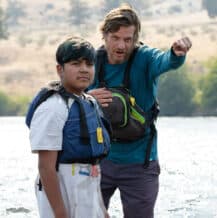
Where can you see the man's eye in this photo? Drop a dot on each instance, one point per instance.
(128, 40)
(115, 38)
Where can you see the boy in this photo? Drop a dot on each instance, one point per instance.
(68, 133)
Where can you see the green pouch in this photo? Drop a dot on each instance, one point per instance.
(126, 117)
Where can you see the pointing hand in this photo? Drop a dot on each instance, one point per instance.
(181, 46)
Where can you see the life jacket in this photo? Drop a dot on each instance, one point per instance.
(86, 136)
(129, 122)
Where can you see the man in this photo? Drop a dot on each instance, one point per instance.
(124, 167)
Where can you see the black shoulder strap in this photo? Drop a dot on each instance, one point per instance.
(101, 56)
(52, 88)
(46, 92)
(126, 81)
(100, 60)
(149, 145)
(83, 122)
(153, 132)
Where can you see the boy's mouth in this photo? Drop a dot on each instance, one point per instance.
(84, 78)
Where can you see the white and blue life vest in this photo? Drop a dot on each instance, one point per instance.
(86, 133)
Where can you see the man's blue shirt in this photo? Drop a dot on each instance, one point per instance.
(147, 66)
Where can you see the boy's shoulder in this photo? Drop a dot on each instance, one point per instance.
(53, 101)
(48, 99)
(53, 105)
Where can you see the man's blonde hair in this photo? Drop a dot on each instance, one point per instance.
(121, 16)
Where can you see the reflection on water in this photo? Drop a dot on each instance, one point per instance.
(187, 150)
(188, 180)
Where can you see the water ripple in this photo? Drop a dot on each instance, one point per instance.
(17, 210)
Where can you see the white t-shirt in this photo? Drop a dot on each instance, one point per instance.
(47, 124)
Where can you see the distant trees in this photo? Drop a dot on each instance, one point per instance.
(139, 5)
(3, 31)
(209, 90)
(10, 17)
(15, 10)
(108, 5)
(176, 93)
(174, 9)
(211, 7)
(79, 12)
(4, 104)
(12, 106)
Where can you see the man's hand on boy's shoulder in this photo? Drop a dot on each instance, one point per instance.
(103, 96)
(181, 46)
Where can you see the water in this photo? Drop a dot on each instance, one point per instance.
(188, 180)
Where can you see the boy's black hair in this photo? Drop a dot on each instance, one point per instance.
(75, 48)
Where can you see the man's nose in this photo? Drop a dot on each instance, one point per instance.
(121, 44)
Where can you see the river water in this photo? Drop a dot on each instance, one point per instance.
(188, 180)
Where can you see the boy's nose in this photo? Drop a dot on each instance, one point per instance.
(83, 67)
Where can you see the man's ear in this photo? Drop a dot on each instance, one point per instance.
(60, 70)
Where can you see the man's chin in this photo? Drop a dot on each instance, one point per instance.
(119, 60)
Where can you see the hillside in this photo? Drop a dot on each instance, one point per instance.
(27, 57)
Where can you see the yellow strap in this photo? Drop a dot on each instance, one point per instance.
(99, 135)
(73, 169)
(132, 101)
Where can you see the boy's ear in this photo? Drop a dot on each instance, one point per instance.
(59, 70)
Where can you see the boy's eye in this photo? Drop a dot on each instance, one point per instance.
(89, 63)
(75, 62)
(78, 62)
